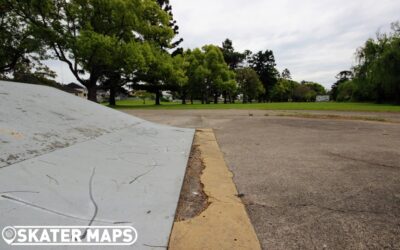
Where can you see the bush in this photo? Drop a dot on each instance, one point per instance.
(304, 93)
(346, 91)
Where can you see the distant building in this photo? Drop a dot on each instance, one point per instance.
(102, 95)
(76, 89)
(167, 95)
(322, 98)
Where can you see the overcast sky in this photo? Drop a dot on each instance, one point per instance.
(314, 39)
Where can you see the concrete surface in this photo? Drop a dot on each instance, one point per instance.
(309, 183)
(67, 161)
(224, 224)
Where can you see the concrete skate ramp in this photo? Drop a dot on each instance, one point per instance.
(62, 156)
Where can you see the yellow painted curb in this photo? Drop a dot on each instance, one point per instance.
(224, 224)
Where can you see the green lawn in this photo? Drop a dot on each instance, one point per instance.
(137, 104)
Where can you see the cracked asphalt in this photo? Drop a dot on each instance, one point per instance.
(309, 183)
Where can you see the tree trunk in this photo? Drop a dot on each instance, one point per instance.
(183, 98)
(111, 99)
(191, 99)
(225, 97)
(92, 87)
(215, 98)
(158, 96)
(92, 93)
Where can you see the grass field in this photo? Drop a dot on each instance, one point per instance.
(371, 107)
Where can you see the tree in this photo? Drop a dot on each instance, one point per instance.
(158, 82)
(166, 6)
(208, 74)
(158, 75)
(283, 90)
(219, 77)
(196, 73)
(86, 35)
(35, 73)
(286, 74)
(316, 87)
(179, 77)
(264, 64)
(303, 93)
(346, 91)
(249, 84)
(377, 75)
(232, 58)
(129, 59)
(16, 40)
(342, 76)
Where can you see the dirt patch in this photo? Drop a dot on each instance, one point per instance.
(192, 200)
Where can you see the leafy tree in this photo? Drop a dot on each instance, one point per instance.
(35, 73)
(90, 35)
(179, 77)
(264, 64)
(303, 93)
(16, 40)
(286, 74)
(346, 91)
(283, 90)
(232, 57)
(158, 75)
(377, 75)
(208, 74)
(166, 6)
(341, 77)
(316, 87)
(196, 73)
(249, 84)
(219, 77)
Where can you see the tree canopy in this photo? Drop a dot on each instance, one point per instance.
(376, 77)
(263, 62)
(249, 83)
(119, 44)
(16, 39)
(208, 74)
(92, 36)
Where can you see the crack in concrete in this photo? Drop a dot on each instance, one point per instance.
(96, 208)
(122, 222)
(52, 179)
(19, 191)
(363, 161)
(143, 174)
(50, 210)
(147, 245)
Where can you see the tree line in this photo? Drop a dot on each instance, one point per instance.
(376, 76)
(118, 44)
